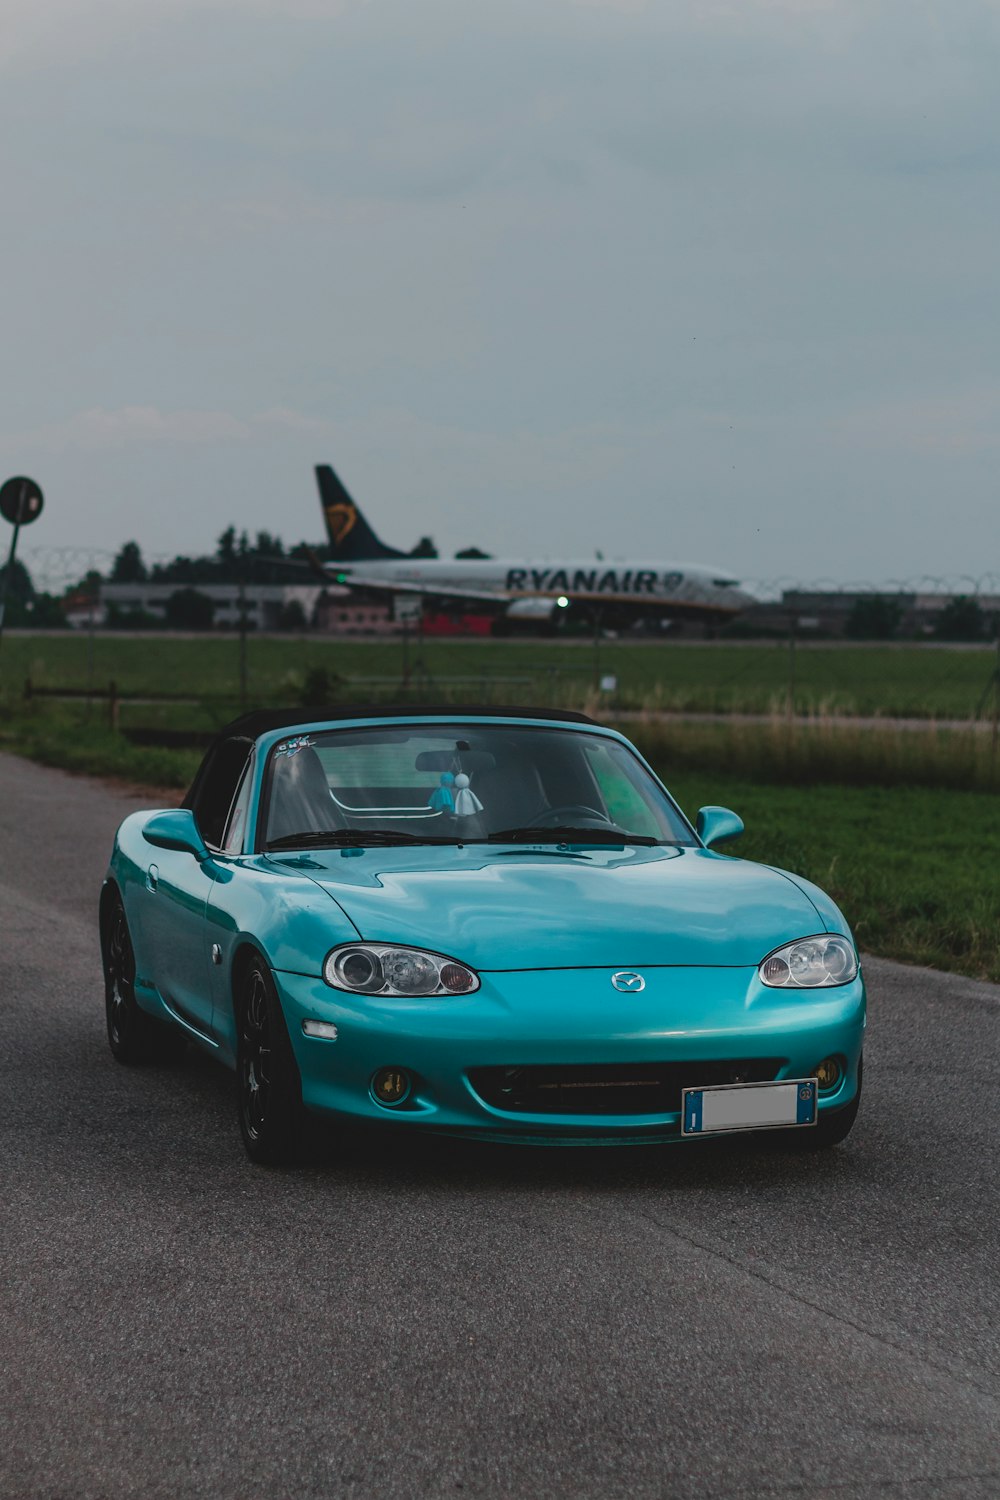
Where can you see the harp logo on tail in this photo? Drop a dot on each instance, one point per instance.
(341, 520)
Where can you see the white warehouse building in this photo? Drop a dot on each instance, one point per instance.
(263, 603)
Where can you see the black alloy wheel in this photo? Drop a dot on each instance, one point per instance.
(133, 1036)
(268, 1087)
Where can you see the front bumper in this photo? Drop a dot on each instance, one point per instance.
(556, 1019)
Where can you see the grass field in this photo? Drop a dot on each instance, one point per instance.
(913, 869)
(822, 751)
(902, 827)
(917, 681)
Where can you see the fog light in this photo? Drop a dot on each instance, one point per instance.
(828, 1074)
(391, 1085)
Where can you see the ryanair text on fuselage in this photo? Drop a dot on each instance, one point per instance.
(591, 582)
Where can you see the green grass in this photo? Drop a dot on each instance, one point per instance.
(914, 870)
(900, 827)
(825, 750)
(917, 681)
(69, 737)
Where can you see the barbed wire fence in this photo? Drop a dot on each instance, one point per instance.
(951, 585)
(53, 569)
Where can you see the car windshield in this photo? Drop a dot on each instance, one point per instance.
(463, 783)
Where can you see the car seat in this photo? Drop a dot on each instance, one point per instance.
(512, 793)
(300, 796)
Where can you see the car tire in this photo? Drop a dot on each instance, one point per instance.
(268, 1085)
(832, 1127)
(133, 1036)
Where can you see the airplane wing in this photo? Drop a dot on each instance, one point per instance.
(495, 597)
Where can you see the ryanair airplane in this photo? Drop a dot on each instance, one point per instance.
(612, 592)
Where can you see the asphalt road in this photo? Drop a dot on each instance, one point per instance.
(444, 1319)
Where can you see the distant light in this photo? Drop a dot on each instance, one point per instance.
(562, 601)
(341, 577)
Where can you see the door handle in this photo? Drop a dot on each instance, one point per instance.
(152, 876)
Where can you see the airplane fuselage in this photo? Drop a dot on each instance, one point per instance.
(641, 586)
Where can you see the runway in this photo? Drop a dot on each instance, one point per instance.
(441, 1319)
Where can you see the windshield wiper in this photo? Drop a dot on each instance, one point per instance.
(353, 838)
(568, 835)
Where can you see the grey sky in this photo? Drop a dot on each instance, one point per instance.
(706, 281)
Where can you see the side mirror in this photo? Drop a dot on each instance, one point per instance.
(717, 824)
(176, 829)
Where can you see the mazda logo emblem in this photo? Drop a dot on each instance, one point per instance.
(630, 983)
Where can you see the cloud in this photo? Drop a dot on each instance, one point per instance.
(947, 424)
(65, 30)
(147, 426)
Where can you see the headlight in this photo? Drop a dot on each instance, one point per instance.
(810, 964)
(381, 969)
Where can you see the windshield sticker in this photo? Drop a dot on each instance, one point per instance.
(292, 747)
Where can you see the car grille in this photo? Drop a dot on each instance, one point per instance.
(611, 1088)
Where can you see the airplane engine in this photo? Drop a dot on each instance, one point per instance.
(532, 607)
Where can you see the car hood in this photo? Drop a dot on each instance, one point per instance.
(540, 908)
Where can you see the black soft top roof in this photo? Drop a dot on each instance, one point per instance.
(264, 720)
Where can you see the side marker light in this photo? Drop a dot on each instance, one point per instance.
(324, 1029)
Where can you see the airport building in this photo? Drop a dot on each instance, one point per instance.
(329, 610)
(828, 612)
(265, 606)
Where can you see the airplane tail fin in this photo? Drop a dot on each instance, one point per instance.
(351, 537)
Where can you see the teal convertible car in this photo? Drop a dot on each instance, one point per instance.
(489, 922)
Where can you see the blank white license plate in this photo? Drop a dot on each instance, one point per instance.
(748, 1106)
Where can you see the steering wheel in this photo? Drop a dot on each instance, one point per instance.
(552, 817)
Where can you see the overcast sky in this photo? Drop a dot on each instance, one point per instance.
(713, 281)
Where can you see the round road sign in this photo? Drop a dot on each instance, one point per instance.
(20, 501)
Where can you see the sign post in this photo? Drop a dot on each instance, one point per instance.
(20, 503)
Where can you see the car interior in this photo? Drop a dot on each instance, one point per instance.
(448, 791)
(441, 785)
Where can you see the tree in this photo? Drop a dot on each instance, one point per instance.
(187, 609)
(303, 551)
(268, 545)
(425, 548)
(20, 586)
(962, 619)
(226, 549)
(186, 570)
(116, 618)
(873, 618)
(21, 596)
(45, 612)
(292, 616)
(90, 584)
(128, 566)
(473, 552)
